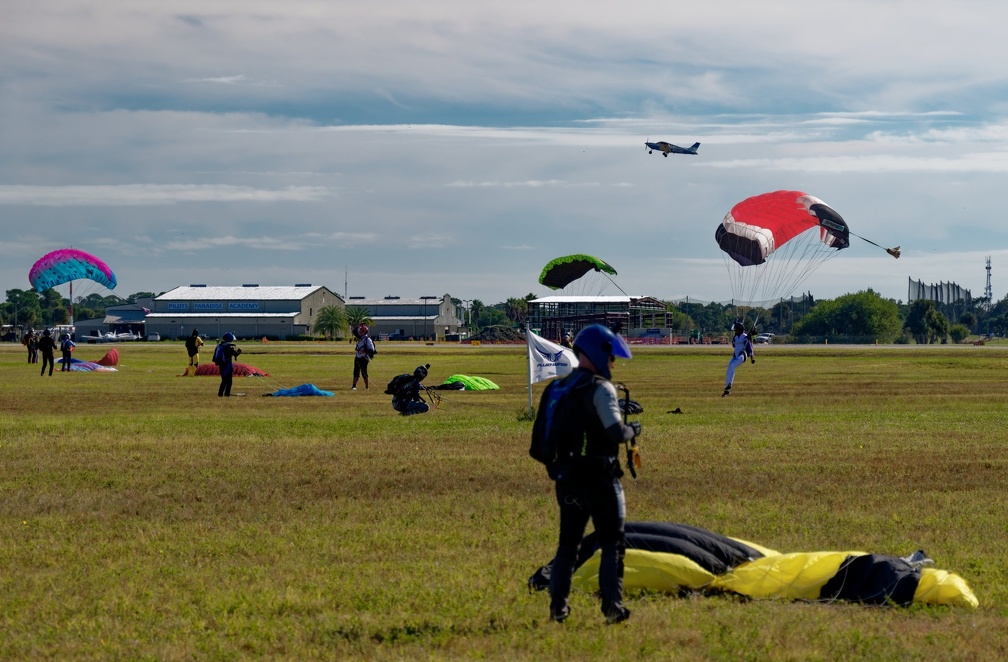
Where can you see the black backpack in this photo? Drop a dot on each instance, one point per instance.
(558, 431)
(398, 383)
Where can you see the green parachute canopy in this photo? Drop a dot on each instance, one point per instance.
(562, 271)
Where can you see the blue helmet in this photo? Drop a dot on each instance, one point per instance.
(598, 343)
(229, 337)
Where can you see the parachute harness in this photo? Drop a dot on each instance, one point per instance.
(633, 458)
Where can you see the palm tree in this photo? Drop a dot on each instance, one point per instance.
(516, 310)
(357, 315)
(331, 322)
(475, 311)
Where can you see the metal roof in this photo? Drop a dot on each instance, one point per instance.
(239, 293)
(243, 315)
(585, 299)
(402, 318)
(395, 301)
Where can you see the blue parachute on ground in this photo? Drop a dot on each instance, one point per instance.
(302, 390)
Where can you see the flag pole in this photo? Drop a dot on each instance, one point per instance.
(528, 363)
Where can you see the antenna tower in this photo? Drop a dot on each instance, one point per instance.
(988, 292)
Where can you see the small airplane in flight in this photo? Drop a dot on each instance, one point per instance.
(668, 148)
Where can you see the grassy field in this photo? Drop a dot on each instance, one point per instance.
(142, 517)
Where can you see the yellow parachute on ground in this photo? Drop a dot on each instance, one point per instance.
(669, 557)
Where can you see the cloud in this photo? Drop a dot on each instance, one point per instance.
(152, 194)
(271, 243)
(177, 138)
(525, 184)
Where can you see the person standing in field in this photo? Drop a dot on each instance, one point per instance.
(588, 472)
(192, 345)
(66, 348)
(363, 354)
(741, 350)
(224, 356)
(47, 346)
(28, 340)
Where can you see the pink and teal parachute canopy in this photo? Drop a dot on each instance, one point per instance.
(67, 264)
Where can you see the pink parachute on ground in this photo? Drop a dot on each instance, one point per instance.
(67, 265)
(240, 370)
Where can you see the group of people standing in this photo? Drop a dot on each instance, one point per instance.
(223, 357)
(44, 344)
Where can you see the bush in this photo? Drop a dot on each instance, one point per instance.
(958, 332)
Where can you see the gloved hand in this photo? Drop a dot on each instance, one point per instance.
(636, 427)
(753, 359)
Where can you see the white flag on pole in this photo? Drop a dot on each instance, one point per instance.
(548, 359)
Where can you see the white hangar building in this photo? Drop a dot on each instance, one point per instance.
(248, 311)
(399, 318)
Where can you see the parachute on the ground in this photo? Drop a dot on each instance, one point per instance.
(300, 391)
(468, 383)
(667, 557)
(79, 365)
(67, 265)
(562, 271)
(240, 370)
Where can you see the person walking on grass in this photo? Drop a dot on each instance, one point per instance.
(28, 340)
(66, 348)
(741, 350)
(224, 356)
(192, 345)
(588, 472)
(47, 346)
(363, 354)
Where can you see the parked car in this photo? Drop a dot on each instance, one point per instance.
(764, 339)
(154, 337)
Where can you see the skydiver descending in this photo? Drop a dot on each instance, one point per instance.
(742, 349)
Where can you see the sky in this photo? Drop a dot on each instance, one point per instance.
(416, 149)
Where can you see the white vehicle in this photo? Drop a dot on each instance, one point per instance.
(764, 339)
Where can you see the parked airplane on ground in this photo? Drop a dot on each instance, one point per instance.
(668, 148)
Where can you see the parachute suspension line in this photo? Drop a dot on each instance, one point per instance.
(894, 251)
(614, 283)
(786, 270)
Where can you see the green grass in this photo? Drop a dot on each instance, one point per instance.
(143, 517)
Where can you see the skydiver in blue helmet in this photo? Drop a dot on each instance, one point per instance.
(741, 350)
(224, 356)
(588, 486)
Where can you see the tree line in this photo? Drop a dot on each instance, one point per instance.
(860, 317)
(28, 309)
